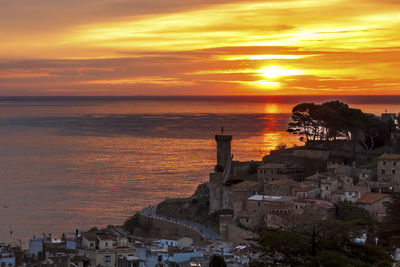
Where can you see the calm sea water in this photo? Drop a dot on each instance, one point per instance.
(68, 163)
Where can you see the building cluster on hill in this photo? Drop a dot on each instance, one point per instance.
(278, 198)
(114, 247)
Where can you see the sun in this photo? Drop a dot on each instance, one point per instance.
(275, 72)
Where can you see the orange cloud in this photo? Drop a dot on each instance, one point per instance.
(200, 47)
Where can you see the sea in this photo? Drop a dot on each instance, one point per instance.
(71, 163)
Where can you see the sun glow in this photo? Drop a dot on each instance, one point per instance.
(275, 72)
(259, 57)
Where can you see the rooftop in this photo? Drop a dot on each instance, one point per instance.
(388, 156)
(318, 202)
(280, 182)
(272, 166)
(336, 166)
(369, 198)
(245, 184)
(90, 236)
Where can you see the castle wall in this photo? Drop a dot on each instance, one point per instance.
(164, 228)
(232, 234)
(215, 186)
(220, 195)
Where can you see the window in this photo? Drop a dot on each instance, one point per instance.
(258, 203)
(394, 163)
(383, 171)
(326, 187)
(106, 244)
(393, 171)
(107, 258)
(384, 163)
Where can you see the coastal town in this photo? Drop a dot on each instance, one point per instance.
(292, 188)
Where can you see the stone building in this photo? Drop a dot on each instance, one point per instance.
(339, 169)
(306, 189)
(323, 208)
(328, 185)
(241, 192)
(281, 187)
(220, 194)
(276, 171)
(259, 207)
(365, 175)
(349, 193)
(97, 240)
(375, 204)
(389, 170)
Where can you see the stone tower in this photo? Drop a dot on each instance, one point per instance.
(219, 193)
(223, 149)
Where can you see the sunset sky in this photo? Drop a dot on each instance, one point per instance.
(194, 47)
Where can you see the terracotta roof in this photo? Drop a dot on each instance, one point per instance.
(317, 202)
(369, 198)
(244, 184)
(390, 156)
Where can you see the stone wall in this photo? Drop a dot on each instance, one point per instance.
(232, 234)
(313, 154)
(220, 195)
(168, 228)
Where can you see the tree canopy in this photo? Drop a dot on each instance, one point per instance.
(335, 120)
(390, 233)
(217, 261)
